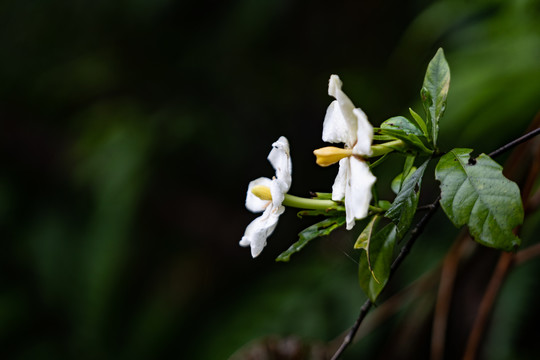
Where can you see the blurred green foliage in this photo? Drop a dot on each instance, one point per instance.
(129, 131)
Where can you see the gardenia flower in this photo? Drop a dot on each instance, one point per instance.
(266, 195)
(346, 124)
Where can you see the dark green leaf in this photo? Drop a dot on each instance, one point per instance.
(434, 92)
(373, 278)
(321, 228)
(404, 206)
(474, 192)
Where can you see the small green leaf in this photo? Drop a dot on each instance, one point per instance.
(403, 129)
(421, 123)
(474, 192)
(401, 123)
(408, 165)
(434, 92)
(363, 240)
(373, 279)
(321, 228)
(384, 204)
(383, 137)
(404, 206)
(398, 181)
(378, 161)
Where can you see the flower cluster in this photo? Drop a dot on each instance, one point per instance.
(343, 123)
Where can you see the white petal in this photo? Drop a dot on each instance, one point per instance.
(254, 203)
(364, 134)
(278, 189)
(260, 229)
(340, 123)
(280, 158)
(358, 192)
(342, 178)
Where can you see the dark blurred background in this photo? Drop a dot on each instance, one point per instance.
(129, 131)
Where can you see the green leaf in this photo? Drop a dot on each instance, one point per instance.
(373, 279)
(434, 92)
(401, 123)
(379, 161)
(383, 137)
(403, 129)
(398, 180)
(321, 228)
(404, 206)
(363, 241)
(421, 123)
(474, 192)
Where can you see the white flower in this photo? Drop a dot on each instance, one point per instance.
(259, 199)
(346, 124)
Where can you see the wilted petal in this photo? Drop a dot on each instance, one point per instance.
(358, 191)
(364, 134)
(280, 159)
(253, 203)
(260, 229)
(340, 184)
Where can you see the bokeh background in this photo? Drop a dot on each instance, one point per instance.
(129, 131)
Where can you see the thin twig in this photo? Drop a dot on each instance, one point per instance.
(513, 143)
(415, 233)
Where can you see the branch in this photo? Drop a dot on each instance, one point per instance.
(513, 143)
(415, 233)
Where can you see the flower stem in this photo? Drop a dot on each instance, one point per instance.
(318, 204)
(306, 203)
(387, 147)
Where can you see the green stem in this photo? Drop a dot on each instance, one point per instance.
(306, 203)
(317, 204)
(387, 147)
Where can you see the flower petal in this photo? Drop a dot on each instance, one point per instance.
(260, 229)
(364, 134)
(340, 183)
(358, 191)
(280, 158)
(340, 123)
(278, 189)
(253, 203)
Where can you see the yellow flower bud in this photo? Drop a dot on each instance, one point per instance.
(262, 192)
(329, 155)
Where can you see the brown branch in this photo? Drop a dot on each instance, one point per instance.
(527, 254)
(415, 233)
(444, 295)
(479, 325)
